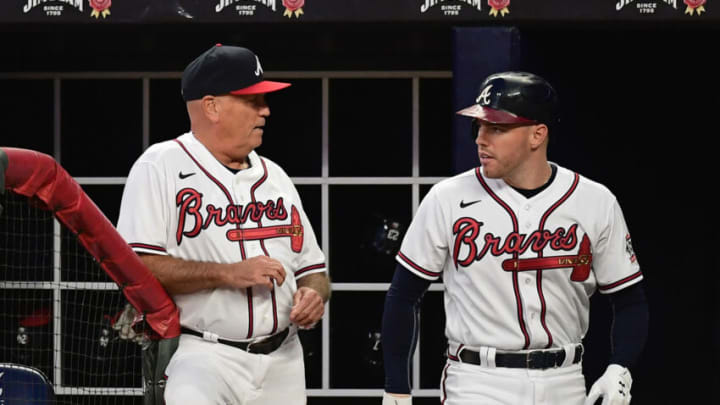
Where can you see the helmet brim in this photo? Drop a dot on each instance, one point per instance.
(493, 116)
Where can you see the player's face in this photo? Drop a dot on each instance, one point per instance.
(243, 119)
(503, 148)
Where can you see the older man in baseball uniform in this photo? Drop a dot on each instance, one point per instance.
(521, 244)
(224, 231)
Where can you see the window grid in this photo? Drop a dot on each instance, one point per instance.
(325, 224)
(324, 181)
(57, 244)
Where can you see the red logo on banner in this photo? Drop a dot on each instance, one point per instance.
(100, 7)
(694, 6)
(499, 6)
(293, 7)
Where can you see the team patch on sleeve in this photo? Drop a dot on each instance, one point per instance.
(404, 260)
(629, 249)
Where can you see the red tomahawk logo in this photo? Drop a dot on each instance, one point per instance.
(294, 231)
(580, 263)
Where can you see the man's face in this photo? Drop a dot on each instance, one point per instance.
(243, 120)
(502, 148)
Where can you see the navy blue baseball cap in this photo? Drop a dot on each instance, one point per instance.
(225, 69)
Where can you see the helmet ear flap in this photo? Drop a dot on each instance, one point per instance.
(474, 128)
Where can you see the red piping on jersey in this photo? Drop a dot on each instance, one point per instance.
(148, 247)
(620, 282)
(516, 287)
(308, 268)
(456, 357)
(259, 182)
(274, 307)
(539, 273)
(262, 244)
(251, 321)
(242, 248)
(416, 267)
(444, 393)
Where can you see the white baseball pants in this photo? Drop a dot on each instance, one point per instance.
(206, 373)
(469, 384)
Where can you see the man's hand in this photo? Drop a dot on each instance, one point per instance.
(396, 399)
(308, 307)
(614, 386)
(258, 270)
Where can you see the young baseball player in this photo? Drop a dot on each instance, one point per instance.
(224, 231)
(521, 244)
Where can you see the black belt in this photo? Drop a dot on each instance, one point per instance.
(265, 346)
(536, 359)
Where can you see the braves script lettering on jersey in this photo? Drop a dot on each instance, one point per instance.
(519, 272)
(180, 201)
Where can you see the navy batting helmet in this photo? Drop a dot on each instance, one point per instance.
(515, 98)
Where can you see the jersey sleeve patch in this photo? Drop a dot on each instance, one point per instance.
(629, 249)
(419, 270)
(620, 284)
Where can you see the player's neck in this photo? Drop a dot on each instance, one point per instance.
(232, 162)
(213, 146)
(530, 177)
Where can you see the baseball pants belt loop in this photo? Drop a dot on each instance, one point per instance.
(571, 353)
(535, 359)
(264, 346)
(487, 356)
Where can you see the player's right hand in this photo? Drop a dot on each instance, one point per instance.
(258, 270)
(396, 399)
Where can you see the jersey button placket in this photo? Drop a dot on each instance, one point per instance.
(526, 286)
(532, 303)
(239, 200)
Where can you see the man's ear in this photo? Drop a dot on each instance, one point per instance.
(539, 135)
(211, 108)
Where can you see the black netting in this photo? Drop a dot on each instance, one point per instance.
(63, 322)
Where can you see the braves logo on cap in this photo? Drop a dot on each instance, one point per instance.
(484, 97)
(258, 69)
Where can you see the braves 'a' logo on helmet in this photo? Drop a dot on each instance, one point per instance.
(484, 97)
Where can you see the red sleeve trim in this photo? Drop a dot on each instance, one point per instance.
(147, 247)
(620, 282)
(309, 268)
(416, 267)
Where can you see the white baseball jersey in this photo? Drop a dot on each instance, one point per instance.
(180, 201)
(519, 272)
